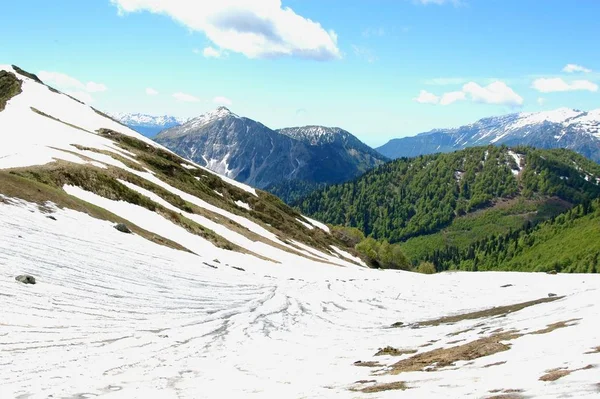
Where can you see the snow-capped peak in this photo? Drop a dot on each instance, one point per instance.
(560, 115)
(209, 117)
(147, 120)
(313, 134)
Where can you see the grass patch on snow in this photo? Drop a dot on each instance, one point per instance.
(487, 313)
(10, 86)
(15, 186)
(105, 184)
(266, 210)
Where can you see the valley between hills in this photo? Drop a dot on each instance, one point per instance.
(128, 271)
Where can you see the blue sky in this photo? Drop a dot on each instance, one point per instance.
(378, 68)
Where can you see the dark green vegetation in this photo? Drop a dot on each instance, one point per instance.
(503, 217)
(447, 208)
(292, 191)
(568, 243)
(10, 86)
(28, 74)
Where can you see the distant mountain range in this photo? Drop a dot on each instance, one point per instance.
(561, 128)
(148, 125)
(252, 153)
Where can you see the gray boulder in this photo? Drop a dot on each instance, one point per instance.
(122, 227)
(25, 279)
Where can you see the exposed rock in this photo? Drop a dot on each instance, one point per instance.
(25, 279)
(552, 295)
(122, 227)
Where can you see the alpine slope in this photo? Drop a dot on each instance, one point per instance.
(209, 288)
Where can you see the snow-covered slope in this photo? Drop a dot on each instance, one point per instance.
(207, 299)
(148, 125)
(560, 128)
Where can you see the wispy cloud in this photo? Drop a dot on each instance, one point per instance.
(220, 100)
(257, 29)
(72, 86)
(186, 98)
(151, 92)
(364, 53)
(551, 85)
(426, 97)
(498, 93)
(374, 32)
(211, 52)
(573, 68)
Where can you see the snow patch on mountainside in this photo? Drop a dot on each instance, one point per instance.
(148, 120)
(560, 115)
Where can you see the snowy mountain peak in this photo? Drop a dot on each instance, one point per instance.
(314, 134)
(212, 116)
(147, 120)
(560, 115)
(560, 128)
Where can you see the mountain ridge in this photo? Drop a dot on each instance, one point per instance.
(148, 125)
(250, 152)
(560, 128)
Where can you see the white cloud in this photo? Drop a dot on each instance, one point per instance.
(151, 92)
(551, 85)
(72, 86)
(222, 100)
(93, 87)
(572, 68)
(495, 93)
(187, 98)
(257, 29)
(452, 97)
(81, 96)
(211, 52)
(426, 97)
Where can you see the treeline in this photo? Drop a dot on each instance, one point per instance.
(569, 242)
(410, 197)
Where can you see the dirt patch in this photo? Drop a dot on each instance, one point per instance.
(555, 374)
(488, 313)
(444, 357)
(391, 386)
(556, 326)
(391, 351)
(360, 363)
(595, 350)
(487, 366)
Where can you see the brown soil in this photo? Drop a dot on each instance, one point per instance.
(487, 313)
(367, 364)
(443, 357)
(391, 386)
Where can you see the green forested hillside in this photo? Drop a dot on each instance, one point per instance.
(410, 197)
(450, 202)
(568, 243)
